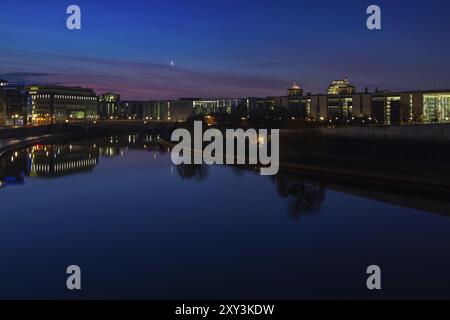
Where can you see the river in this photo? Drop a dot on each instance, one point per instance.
(140, 227)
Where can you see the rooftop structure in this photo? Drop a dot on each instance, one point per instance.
(341, 87)
(295, 90)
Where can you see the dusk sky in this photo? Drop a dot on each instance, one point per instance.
(225, 48)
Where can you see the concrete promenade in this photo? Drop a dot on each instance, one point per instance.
(431, 133)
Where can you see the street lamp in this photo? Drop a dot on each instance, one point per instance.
(15, 118)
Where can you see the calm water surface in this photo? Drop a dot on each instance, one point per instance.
(139, 227)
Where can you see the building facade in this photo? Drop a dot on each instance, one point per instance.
(109, 106)
(56, 104)
(146, 110)
(436, 107)
(36, 105)
(13, 104)
(62, 160)
(343, 104)
(133, 110)
(182, 109)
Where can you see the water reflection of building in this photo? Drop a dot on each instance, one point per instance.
(191, 171)
(118, 145)
(61, 160)
(14, 168)
(47, 161)
(58, 160)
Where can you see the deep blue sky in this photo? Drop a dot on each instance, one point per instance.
(225, 48)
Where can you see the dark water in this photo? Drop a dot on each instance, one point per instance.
(140, 227)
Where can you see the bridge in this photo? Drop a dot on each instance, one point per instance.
(121, 125)
(13, 138)
(22, 134)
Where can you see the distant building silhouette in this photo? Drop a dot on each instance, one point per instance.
(13, 104)
(109, 106)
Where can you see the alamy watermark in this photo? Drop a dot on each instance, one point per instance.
(73, 22)
(240, 147)
(74, 280)
(374, 279)
(374, 20)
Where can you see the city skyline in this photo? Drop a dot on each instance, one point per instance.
(167, 51)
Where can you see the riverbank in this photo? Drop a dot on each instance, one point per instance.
(422, 132)
(24, 132)
(8, 145)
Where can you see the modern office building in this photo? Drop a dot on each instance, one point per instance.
(436, 106)
(183, 108)
(391, 108)
(109, 106)
(179, 110)
(343, 104)
(133, 110)
(259, 106)
(160, 110)
(56, 104)
(214, 106)
(146, 110)
(13, 104)
(340, 107)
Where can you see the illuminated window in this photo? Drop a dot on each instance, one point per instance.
(436, 107)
